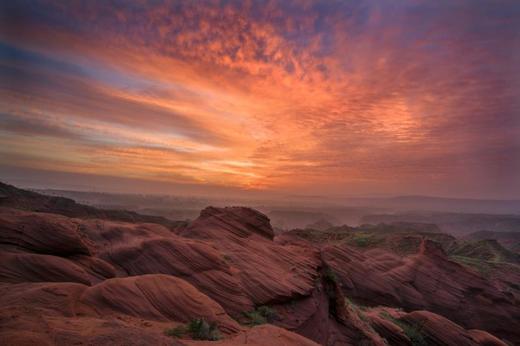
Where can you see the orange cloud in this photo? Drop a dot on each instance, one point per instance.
(280, 95)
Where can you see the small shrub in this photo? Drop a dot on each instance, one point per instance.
(329, 275)
(176, 332)
(255, 318)
(200, 329)
(362, 316)
(267, 312)
(358, 309)
(387, 316)
(412, 331)
(261, 315)
(362, 242)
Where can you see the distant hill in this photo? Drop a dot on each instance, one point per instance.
(488, 250)
(13, 197)
(320, 225)
(442, 204)
(455, 223)
(288, 218)
(400, 238)
(510, 240)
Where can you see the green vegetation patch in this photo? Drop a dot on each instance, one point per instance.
(483, 267)
(330, 276)
(364, 239)
(334, 234)
(485, 250)
(412, 331)
(357, 309)
(261, 315)
(408, 245)
(198, 329)
(176, 332)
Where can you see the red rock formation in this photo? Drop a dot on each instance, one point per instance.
(100, 250)
(260, 336)
(40, 233)
(438, 330)
(234, 221)
(269, 272)
(71, 281)
(425, 328)
(324, 317)
(155, 297)
(427, 280)
(23, 267)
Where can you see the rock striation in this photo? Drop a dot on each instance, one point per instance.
(80, 279)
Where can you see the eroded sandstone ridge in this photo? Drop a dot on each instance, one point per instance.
(78, 278)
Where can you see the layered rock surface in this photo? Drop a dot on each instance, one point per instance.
(56, 271)
(427, 280)
(87, 280)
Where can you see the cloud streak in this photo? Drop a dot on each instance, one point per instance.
(296, 96)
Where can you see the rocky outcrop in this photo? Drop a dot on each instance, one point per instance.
(425, 328)
(97, 281)
(40, 233)
(325, 317)
(437, 330)
(146, 272)
(196, 262)
(96, 269)
(22, 267)
(260, 336)
(269, 272)
(231, 221)
(427, 280)
(155, 297)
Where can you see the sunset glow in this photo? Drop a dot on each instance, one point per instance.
(310, 97)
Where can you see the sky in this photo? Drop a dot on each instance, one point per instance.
(342, 98)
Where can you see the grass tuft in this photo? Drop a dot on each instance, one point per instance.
(176, 332)
(200, 329)
(261, 315)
